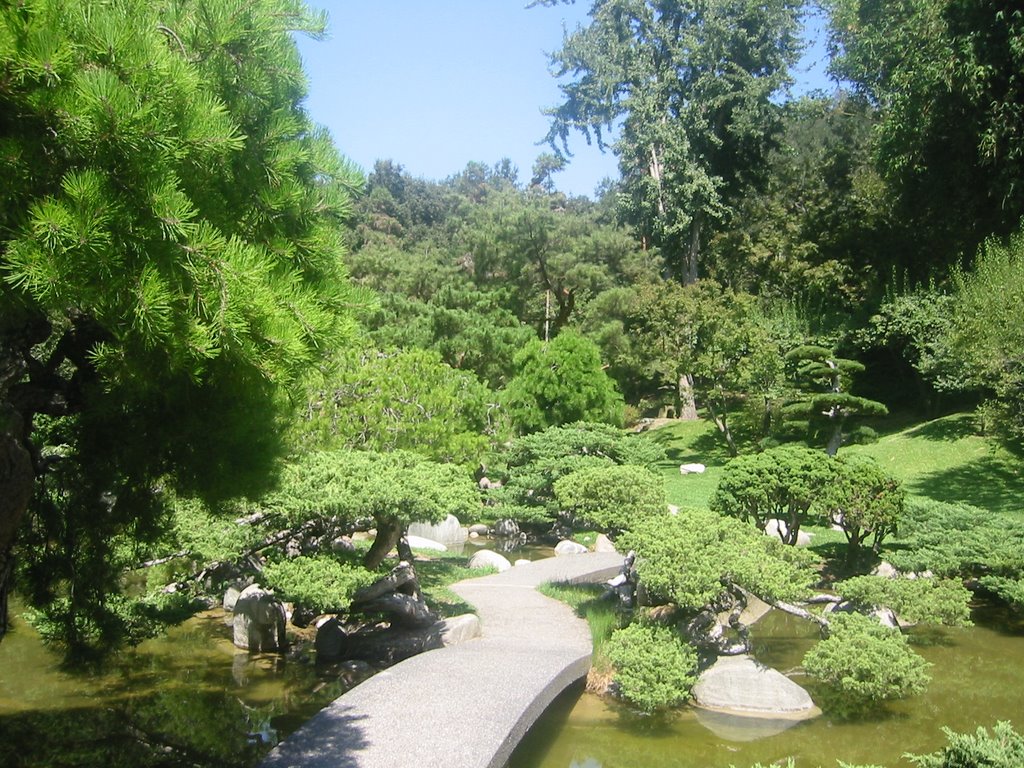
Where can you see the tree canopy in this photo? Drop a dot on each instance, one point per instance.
(171, 234)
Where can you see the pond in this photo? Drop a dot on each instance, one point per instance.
(977, 679)
(187, 698)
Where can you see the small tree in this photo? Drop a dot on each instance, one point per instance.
(781, 483)
(866, 662)
(824, 379)
(394, 489)
(613, 497)
(935, 601)
(535, 462)
(864, 499)
(697, 558)
(654, 668)
(560, 382)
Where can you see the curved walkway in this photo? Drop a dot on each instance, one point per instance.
(466, 706)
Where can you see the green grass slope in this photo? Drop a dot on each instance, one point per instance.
(942, 459)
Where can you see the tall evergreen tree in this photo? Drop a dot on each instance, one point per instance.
(687, 86)
(170, 243)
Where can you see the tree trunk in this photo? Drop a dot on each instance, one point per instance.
(389, 531)
(686, 407)
(835, 440)
(722, 422)
(17, 479)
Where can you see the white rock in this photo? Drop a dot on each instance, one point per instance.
(886, 571)
(418, 542)
(486, 558)
(691, 469)
(568, 547)
(740, 684)
(521, 561)
(474, 535)
(779, 528)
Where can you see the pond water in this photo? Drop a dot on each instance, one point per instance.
(187, 698)
(977, 679)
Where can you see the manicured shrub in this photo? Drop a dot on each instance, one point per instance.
(319, 583)
(654, 668)
(866, 662)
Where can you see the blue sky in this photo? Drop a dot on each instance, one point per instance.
(435, 85)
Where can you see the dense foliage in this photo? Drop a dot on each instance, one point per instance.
(534, 463)
(613, 497)
(654, 668)
(170, 230)
(866, 661)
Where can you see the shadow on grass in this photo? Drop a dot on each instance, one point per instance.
(990, 483)
(706, 447)
(946, 429)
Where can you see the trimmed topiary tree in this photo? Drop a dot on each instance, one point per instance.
(862, 498)
(781, 483)
(866, 662)
(613, 497)
(654, 668)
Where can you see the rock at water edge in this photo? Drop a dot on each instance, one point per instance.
(742, 685)
(259, 621)
(567, 547)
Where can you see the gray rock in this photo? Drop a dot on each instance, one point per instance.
(479, 529)
(604, 544)
(506, 528)
(776, 527)
(486, 558)
(330, 640)
(259, 621)
(342, 545)
(740, 684)
(567, 547)
(886, 571)
(231, 597)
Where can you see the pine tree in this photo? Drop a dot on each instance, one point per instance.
(171, 227)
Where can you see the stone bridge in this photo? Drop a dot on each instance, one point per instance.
(466, 706)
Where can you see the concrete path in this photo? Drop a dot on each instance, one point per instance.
(466, 706)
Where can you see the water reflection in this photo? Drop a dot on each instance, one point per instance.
(187, 699)
(977, 680)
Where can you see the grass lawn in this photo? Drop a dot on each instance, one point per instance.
(942, 459)
(688, 442)
(945, 460)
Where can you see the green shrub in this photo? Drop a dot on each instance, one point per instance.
(937, 601)
(613, 497)
(866, 662)
(1004, 748)
(654, 668)
(318, 583)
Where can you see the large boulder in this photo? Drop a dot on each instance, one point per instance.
(506, 528)
(448, 532)
(331, 639)
(741, 685)
(419, 542)
(486, 558)
(395, 644)
(569, 547)
(259, 620)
